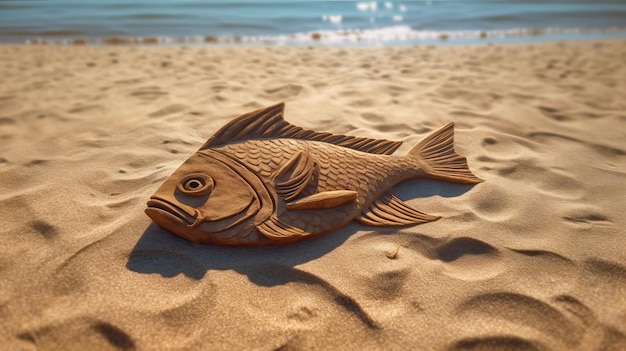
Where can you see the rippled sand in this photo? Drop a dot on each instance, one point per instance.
(534, 258)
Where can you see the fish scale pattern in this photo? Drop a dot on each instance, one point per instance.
(340, 168)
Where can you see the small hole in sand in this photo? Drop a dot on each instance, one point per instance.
(489, 141)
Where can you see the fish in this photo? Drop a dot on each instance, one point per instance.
(261, 180)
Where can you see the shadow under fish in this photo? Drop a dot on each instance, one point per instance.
(262, 181)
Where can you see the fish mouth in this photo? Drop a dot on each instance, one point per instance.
(162, 206)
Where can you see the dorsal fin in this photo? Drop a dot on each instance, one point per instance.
(268, 123)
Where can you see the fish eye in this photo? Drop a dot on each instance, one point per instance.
(196, 184)
(193, 184)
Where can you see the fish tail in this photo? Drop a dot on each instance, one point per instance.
(437, 150)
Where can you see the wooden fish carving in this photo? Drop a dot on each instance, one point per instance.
(262, 181)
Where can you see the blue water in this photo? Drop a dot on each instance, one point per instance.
(294, 22)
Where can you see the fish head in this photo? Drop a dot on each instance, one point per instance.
(206, 201)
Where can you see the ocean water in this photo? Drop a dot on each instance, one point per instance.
(305, 22)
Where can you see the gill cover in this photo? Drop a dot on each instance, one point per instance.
(211, 199)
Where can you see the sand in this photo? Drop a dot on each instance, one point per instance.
(534, 258)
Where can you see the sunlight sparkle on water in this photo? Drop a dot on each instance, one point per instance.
(364, 6)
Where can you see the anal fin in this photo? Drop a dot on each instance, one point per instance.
(326, 199)
(388, 210)
(274, 229)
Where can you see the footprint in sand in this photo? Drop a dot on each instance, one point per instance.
(362, 103)
(561, 185)
(30, 116)
(283, 92)
(87, 109)
(128, 81)
(252, 105)
(36, 162)
(606, 272)
(481, 100)
(608, 151)
(554, 113)
(501, 144)
(550, 271)
(372, 117)
(515, 158)
(492, 203)
(79, 331)
(462, 258)
(495, 343)
(149, 93)
(44, 228)
(387, 285)
(4, 121)
(168, 110)
(585, 217)
(518, 310)
(469, 259)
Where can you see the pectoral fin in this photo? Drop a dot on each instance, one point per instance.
(326, 199)
(388, 210)
(274, 229)
(292, 178)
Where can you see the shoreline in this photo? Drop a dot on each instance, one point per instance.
(444, 45)
(392, 36)
(531, 258)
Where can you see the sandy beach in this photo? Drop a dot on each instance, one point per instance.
(534, 258)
